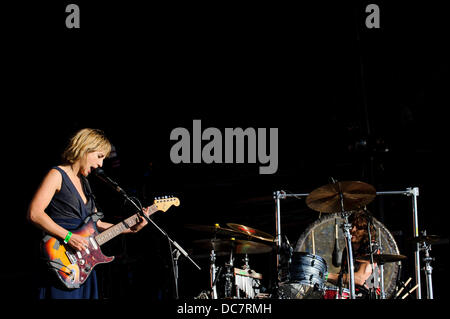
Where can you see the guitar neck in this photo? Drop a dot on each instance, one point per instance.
(119, 228)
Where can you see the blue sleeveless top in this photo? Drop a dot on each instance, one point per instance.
(68, 210)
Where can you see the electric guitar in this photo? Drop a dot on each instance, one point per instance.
(74, 267)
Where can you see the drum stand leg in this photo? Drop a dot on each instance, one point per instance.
(428, 269)
(383, 293)
(246, 265)
(213, 273)
(228, 276)
(346, 227)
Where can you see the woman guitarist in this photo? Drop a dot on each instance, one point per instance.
(63, 201)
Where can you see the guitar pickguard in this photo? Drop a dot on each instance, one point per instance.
(74, 267)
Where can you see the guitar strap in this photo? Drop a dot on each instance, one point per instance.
(96, 214)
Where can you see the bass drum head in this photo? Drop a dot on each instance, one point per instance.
(323, 230)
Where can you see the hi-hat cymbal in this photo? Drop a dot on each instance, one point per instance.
(238, 246)
(326, 199)
(251, 232)
(382, 258)
(215, 229)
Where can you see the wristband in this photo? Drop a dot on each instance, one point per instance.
(66, 240)
(326, 276)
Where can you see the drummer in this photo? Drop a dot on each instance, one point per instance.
(360, 246)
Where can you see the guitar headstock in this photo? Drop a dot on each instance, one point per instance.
(164, 203)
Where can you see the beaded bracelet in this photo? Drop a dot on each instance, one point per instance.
(66, 240)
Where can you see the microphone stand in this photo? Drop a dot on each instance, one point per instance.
(175, 255)
(172, 242)
(118, 189)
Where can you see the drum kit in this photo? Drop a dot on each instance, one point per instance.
(234, 240)
(315, 255)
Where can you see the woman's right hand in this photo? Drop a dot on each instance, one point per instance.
(78, 242)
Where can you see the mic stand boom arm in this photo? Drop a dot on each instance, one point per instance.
(141, 212)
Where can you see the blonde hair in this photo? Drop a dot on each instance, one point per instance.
(86, 141)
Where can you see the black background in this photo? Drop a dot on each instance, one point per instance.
(349, 102)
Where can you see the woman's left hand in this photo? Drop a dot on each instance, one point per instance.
(142, 221)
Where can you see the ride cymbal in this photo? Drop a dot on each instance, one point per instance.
(326, 199)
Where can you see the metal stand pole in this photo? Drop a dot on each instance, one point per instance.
(229, 275)
(415, 193)
(213, 272)
(383, 292)
(278, 195)
(351, 267)
(427, 268)
(176, 254)
(428, 271)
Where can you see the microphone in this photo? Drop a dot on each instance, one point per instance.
(100, 174)
(336, 260)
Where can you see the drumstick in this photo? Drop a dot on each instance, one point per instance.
(409, 292)
(406, 284)
(312, 238)
(335, 229)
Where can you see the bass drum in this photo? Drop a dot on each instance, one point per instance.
(323, 231)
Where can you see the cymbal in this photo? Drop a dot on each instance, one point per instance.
(215, 229)
(252, 232)
(382, 258)
(430, 239)
(238, 246)
(326, 198)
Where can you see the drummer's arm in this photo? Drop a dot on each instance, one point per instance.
(364, 272)
(333, 278)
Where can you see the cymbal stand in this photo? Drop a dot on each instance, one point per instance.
(348, 236)
(372, 248)
(381, 265)
(383, 292)
(213, 274)
(346, 228)
(246, 265)
(228, 276)
(427, 268)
